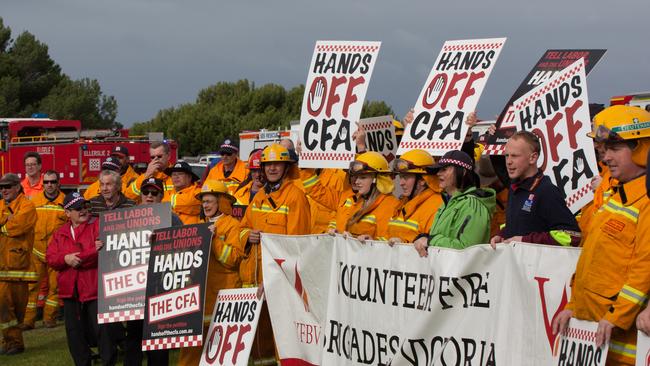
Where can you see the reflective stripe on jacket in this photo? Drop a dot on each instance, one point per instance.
(17, 239)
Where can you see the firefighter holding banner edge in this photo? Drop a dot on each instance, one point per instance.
(612, 277)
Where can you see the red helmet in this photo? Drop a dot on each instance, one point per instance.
(254, 160)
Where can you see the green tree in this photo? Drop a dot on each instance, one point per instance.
(228, 108)
(30, 82)
(376, 109)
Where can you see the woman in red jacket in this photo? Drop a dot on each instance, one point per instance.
(72, 253)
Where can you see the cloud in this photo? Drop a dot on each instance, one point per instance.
(154, 54)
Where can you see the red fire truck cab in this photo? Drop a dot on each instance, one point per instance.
(75, 154)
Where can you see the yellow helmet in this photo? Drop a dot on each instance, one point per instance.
(399, 127)
(215, 187)
(219, 189)
(374, 162)
(413, 161)
(623, 123)
(275, 152)
(369, 162)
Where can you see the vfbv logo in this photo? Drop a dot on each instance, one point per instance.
(292, 273)
(548, 322)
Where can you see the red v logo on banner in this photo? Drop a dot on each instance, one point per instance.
(548, 322)
(297, 283)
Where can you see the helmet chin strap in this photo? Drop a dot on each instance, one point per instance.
(415, 186)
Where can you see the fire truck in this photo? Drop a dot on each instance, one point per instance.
(251, 140)
(636, 99)
(74, 153)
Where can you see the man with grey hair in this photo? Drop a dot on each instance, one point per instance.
(110, 196)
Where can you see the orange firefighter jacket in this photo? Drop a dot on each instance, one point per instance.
(185, 204)
(32, 190)
(133, 192)
(50, 216)
(243, 194)
(499, 216)
(285, 211)
(373, 222)
(414, 217)
(225, 256)
(612, 278)
(600, 195)
(238, 175)
(127, 178)
(332, 179)
(16, 239)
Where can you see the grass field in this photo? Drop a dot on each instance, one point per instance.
(48, 347)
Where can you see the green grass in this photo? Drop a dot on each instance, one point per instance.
(49, 347)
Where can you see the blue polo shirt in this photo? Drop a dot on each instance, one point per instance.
(536, 208)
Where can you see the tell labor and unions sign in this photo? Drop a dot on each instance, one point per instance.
(452, 90)
(336, 87)
(176, 286)
(124, 259)
(551, 63)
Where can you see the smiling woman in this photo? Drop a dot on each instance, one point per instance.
(464, 217)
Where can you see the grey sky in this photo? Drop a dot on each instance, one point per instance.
(154, 54)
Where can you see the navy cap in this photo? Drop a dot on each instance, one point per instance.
(73, 200)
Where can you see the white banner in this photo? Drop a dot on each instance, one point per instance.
(375, 304)
(642, 349)
(558, 112)
(452, 90)
(339, 74)
(380, 136)
(232, 330)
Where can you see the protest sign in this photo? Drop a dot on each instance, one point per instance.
(124, 259)
(577, 345)
(176, 276)
(558, 113)
(452, 90)
(234, 321)
(642, 349)
(335, 301)
(238, 211)
(336, 87)
(551, 62)
(380, 136)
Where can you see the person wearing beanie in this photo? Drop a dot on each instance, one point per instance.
(464, 217)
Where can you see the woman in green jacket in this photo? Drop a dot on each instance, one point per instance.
(464, 217)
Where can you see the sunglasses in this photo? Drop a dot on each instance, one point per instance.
(6, 186)
(150, 192)
(226, 154)
(50, 182)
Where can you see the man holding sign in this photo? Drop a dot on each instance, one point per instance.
(612, 278)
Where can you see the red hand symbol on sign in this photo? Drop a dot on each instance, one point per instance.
(315, 102)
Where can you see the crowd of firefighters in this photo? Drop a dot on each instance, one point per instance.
(49, 241)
